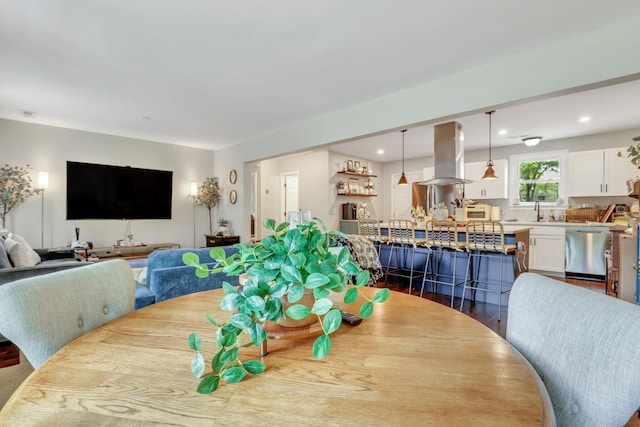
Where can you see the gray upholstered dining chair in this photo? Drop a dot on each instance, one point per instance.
(44, 313)
(584, 345)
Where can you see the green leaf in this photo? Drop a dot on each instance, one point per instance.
(255, 303)
(228, 356)
(254, 367)
(282, 226)
(382, 295)
(202, 274)
(298, 260)
(351, 295)
(240, 320)
(257, 334)
(231, 301)
(275, 262)
(363, 278)
(229, 339)
(298, 311)
(228, 289)
(233, 374)
(332, 321)
(344, 256)
(211, 320)
(319, 293)
(291, 274)
(197, 365)
(321, 347)
(190, 258)
(351, 268)
(218, 253)
(269, 224)
(216, 363)
(295, 293)
(278, 290)
(208, 384)
(316, 279)
(322, 306)
(366, 310)
(194, 341)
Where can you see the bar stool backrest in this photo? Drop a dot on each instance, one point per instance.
(443, 234)
(486, 236)
(402, 231)
(370, 228)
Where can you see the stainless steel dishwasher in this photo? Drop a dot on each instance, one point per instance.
(584, 252)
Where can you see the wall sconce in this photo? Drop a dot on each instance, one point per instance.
(43, 184)
(193, 190)
(532, 141)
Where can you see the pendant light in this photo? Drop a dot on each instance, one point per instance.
(489, 173)
(403, 178)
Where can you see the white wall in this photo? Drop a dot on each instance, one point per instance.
(48, 148)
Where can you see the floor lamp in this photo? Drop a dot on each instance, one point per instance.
(193, 193)
(43, 184)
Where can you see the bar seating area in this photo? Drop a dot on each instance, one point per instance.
(402, 240)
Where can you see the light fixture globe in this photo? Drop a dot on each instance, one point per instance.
(532, 141)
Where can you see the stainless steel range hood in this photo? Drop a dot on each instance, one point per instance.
(448, 182)
(448, 148)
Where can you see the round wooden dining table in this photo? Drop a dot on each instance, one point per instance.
(414, 362)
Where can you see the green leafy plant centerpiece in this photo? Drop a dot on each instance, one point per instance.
(282, 266)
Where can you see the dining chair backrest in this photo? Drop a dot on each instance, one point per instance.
(486, 236)
(443, 234)
(402, 231)
(44, 313)
(584, 345)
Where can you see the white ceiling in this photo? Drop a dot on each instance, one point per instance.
(213, 73)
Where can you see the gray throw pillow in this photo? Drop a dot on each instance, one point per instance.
(4, 258)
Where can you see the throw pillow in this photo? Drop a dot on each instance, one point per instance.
(4, 258)
(20, 253)
(140, 275)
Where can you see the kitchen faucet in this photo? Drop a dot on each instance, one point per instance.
(536, 208)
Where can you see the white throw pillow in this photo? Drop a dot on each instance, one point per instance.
(20, 253)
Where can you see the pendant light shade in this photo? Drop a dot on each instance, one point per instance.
(489, 173)
(403, 178)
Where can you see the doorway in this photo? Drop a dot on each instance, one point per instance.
(288, 194)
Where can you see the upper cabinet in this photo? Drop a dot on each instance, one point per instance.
(600, 173)
(486, 189)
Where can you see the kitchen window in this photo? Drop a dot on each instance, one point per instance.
(538, 177)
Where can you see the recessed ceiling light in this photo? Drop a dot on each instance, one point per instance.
(381, 151)
(502, 132)
(584, 119)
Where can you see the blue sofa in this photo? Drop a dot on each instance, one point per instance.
(168, 277)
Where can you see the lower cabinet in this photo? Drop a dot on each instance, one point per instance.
(547, 246)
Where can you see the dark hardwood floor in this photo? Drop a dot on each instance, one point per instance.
(487, 314)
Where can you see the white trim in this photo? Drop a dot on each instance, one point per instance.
(514, 176)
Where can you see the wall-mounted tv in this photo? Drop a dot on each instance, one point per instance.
(117, 192)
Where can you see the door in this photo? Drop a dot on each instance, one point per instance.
(401, 194)
(288, 194)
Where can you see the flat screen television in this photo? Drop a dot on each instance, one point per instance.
(117, 192)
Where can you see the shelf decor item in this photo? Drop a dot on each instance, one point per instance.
(281, 267)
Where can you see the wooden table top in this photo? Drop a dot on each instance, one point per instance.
(414, 362)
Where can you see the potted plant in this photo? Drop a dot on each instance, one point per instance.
(208, 196)
(280, 268)
(223, 224)
(340, 187)
(15, 188)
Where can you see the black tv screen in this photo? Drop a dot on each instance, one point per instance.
(117, 192)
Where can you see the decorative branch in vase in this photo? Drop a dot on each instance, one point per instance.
(209, 196)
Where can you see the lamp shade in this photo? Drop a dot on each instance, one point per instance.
(403, 180)
(193, 191)
(532, 140)
(489, 173)
(43, 180)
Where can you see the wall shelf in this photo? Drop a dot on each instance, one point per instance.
(358, 195)
(365, 175)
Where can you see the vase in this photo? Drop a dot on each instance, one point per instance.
(307, 300)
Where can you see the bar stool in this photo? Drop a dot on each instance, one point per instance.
(403, 242)
(370, 228)
(442, 239)
(485, 240)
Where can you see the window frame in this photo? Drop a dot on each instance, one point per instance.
(514, 176)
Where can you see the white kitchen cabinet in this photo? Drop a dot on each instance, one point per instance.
(599, 173)
(546, 248)
(486, 189)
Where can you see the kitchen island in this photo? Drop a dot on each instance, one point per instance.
(517, 263)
